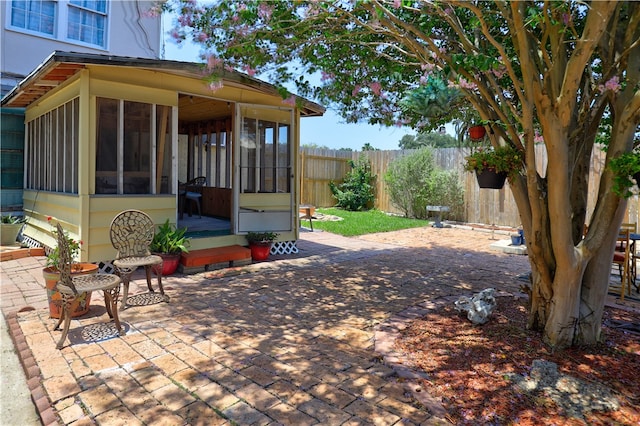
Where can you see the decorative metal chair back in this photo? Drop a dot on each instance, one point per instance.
(199, 181)
(64, 257)
(131, 233)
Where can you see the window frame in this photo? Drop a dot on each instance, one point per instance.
(148, 169)
(53, 135)
(61, 23)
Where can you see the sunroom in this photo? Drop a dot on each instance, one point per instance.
(105, 134)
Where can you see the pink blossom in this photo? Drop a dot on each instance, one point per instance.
(202, 37)
(265, 11)
(538, 138)
(467, 84)
(249, 70)
(356, 90)
(213, 62)
(427, 67)
(376, 88)
(216, 85)
(566, 18)
(397, 4)
(185, 20)
(291, 100)
(612, 84)
(326, 76)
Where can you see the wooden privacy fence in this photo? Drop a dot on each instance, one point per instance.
(485, 206)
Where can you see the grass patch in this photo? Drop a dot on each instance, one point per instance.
(364, 222)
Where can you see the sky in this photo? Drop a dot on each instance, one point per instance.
(329, 131)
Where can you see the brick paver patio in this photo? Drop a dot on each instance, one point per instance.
(289, 341)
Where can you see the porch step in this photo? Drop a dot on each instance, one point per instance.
(205, 257)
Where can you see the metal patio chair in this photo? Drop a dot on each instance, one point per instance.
(71, 287)
(131, 234)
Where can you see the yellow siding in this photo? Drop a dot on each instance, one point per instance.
(104, 208)
(268, 201)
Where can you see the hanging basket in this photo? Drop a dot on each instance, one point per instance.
(490, 179)
(477, 132)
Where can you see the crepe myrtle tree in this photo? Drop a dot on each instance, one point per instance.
(562, 72)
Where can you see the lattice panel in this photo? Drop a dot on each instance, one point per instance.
(107, 267)
(284, 247)
(30, 242)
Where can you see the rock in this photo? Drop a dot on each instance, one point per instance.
(478, 308)
(574, 396)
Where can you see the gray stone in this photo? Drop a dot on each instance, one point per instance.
(478, 308)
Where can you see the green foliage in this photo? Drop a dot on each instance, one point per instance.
(53, 258)
(502, 159)
(433, 139)
(11, 219)
(357, 192)
(624, 168)
(261, 237)
(432, 104)
(364, 222)
(415, 181)
(170, 239)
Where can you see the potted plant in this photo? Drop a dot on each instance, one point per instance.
(51, 274)
(493, 165)
(169, 242)
(260, 244)
(624, 168)
(10, 228)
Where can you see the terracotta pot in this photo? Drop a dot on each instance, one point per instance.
(260, 251)
(170, 262)
(80, 306)
(477, 132)
(489, 178)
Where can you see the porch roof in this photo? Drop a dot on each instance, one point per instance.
(60, 66)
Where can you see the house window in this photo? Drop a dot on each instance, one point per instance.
(87, 21)
(37, 16)
(133, 148)
(76, 21)
(52, 150)
(265, 153)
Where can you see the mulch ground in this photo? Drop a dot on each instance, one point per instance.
(469, 366)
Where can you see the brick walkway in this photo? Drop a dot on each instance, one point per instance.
(289, 341)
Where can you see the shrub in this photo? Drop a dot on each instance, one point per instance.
(415, 182)
(357, 191)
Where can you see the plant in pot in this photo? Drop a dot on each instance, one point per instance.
(260, 244)
(10, 227)
(51, 273)
(493, 165)
(169, 242)
(624, 168)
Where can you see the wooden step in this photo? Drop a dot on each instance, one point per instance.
(211, 256)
